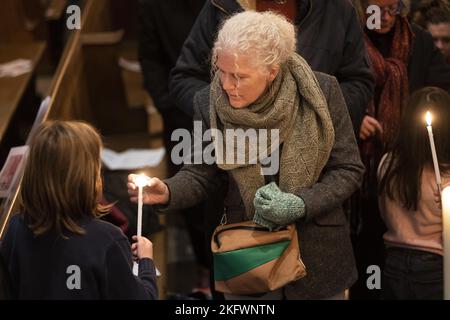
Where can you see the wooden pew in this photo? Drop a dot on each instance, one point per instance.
(68, 92)
(19, 22)
(24, 34)
(22, 21)
(87, 86)
(101, 99)
(17, 95)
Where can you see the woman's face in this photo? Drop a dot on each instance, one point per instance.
(243, 82)
(389, 12)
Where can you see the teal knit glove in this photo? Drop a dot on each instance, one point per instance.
(275, 208)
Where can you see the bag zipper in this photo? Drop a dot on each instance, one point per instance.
(216, 236)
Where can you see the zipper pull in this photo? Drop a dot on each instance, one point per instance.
(224, 219)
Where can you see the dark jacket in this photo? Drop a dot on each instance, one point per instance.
(163, 27)
(329, 38)
(5, 282)
(323, 235)
(40, 267)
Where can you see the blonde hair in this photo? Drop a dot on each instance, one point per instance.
(62, 181)
(267, 36)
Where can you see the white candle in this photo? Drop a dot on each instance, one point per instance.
(433, 152)
(140, 181)
(446, 240)
(139, 219)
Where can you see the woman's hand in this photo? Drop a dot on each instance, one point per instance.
(155, 192)
(274, 208)
(369, 128)
(142, 248)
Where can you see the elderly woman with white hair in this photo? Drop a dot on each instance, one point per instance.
(261, 83)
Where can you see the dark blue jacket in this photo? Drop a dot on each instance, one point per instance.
(47, 266)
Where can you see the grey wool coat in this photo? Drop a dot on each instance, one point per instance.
(324, 236)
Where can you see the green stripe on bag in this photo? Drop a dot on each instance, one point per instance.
(233, 263)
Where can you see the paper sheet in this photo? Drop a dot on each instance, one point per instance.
(130, 65)
(132, 159)
(15, 68)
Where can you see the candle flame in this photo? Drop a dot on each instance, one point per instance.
(428, 118)
(141, 180)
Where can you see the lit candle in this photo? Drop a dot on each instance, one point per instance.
(433, 152)
(140, 181)
(446, 240)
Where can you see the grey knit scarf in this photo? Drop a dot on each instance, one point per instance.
(294, 104)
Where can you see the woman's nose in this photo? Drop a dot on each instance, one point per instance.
(228, 83)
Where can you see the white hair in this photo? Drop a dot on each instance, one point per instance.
(267, 36)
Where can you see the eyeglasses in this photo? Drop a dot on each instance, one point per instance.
(394, 9)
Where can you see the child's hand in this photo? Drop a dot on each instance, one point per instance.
(437, 199)
(142, 248)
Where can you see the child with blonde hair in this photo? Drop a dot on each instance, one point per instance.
(57, 247)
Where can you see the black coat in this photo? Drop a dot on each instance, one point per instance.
(163, 27)
(329, 38)
(5, 282)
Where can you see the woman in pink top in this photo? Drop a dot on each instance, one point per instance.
(410, 203)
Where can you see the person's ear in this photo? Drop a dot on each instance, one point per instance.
(273, 72)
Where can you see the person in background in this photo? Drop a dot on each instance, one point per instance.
(163, 28)
(57, 247)
(160, 44)
(434, 16)
(410, 201)
(403, 59)
(438, 24)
